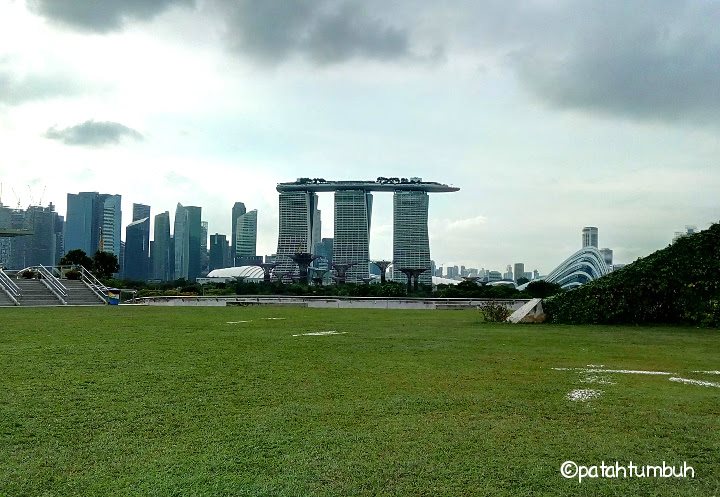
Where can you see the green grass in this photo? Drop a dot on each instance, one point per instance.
(152, 401)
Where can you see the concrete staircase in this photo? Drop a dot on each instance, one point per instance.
(35, 293)
(80, 294)
(5, 300)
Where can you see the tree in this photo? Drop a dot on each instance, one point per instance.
(521, 280)
(104, 264)
(76, 257)
(542, 289)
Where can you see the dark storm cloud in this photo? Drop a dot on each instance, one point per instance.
(101, 15)
(326, 32)
(647, 59)
(93, 134)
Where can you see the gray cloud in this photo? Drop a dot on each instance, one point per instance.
(101, 15)
(323, 31)
(16, 88)
(93, 134)
(646, 60)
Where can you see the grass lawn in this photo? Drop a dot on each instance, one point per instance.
(151, 401)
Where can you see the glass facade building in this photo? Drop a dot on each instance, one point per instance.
(162, 269)
(298, 214)
(411, 244)
(351, 239)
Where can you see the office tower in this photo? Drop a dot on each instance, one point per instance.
(246, 241)
(181, 241)
(519, 270)
(111, 224)
(187, 233)
(59, 237)
(194, 240)
(607, 255)
(297, 214)
(324, 251)
(162, 269)
(137, 250)
(140, 211)
(411, 244)
(590, 237)
(508, 273)
(204, 256)
(5, 243)
(238, 209)
(351, 240)
(93, 222)
(40, 248)
(219, 251)
(81, 230)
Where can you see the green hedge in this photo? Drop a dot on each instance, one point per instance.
(679, 284)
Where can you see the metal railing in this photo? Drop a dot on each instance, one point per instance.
(52, 283)
(9, 287)
(93, 283)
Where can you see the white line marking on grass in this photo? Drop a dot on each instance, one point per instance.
(695, 382)
(273, 318)
(625, 371)
(619, 371)
(583, 395)
(236, 322)
(707, 372)
(596, 365)
(320, 333)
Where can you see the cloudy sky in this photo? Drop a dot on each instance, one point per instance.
(549, 116)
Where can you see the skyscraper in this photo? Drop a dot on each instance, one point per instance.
(246, 242)
(181, 242)
(351, 240)
(137, 250)
(195, 241)
(238, 209)
(81, 229)
(162, 269)
(94, 222)
(590, 237)
(411, 244)
(519, 270)
(204, 256)
(111, 224)
(295, 230)
(218, 251)
(140, 211)
(40, 247)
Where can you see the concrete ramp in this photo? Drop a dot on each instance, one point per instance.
(530, 312)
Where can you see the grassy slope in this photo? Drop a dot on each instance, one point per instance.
(163, 401)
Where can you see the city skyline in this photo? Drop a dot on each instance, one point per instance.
(549, 116)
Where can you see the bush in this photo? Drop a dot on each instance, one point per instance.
(28, 274)
(495, 312)
(73, 275)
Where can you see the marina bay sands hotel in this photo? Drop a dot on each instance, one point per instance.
(299, 229)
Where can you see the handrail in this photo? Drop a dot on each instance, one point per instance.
(93, 283)
(9, 287)
(52, 283)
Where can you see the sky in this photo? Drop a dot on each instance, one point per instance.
(548, 115)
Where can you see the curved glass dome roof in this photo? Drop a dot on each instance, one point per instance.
(248, 272)
(585, 265)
